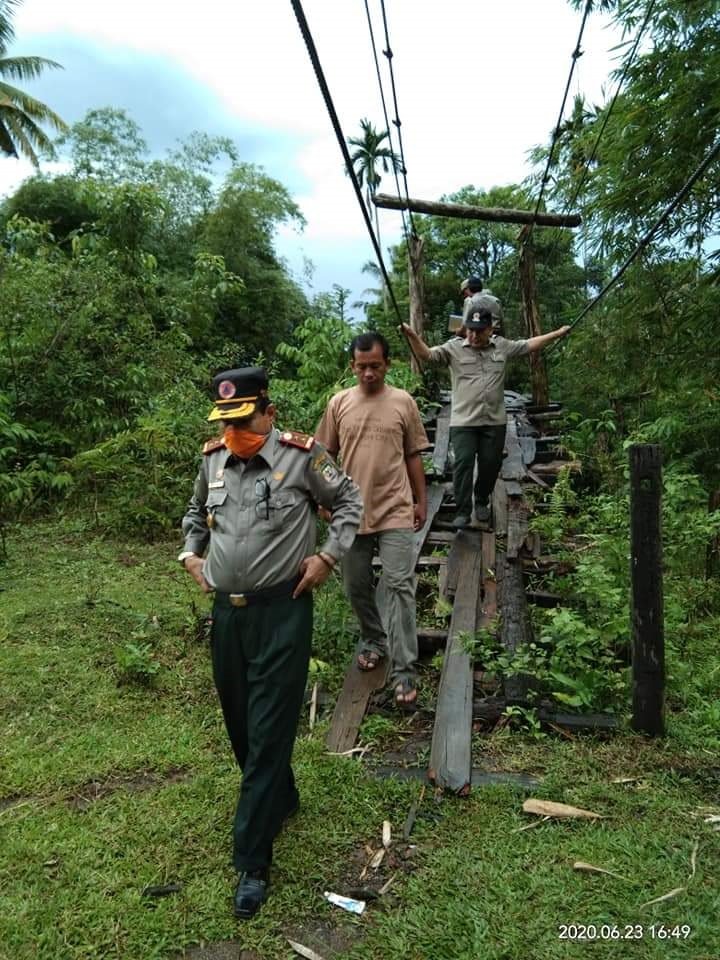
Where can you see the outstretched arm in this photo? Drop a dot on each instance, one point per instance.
(538, 343)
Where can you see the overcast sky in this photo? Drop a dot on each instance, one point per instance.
(478, 84)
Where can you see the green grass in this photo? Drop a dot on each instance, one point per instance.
(116, 786)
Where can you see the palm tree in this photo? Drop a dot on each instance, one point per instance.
(371, 155)
(21, 114)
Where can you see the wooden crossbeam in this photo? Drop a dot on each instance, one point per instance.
(466, 211)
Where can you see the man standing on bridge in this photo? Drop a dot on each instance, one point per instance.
(478, 419)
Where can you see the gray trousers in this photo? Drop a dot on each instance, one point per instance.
(393, 633)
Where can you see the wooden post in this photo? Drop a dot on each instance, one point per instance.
(648, 638)
(528, 291)
(416, 259)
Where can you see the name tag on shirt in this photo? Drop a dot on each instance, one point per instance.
(215, 484)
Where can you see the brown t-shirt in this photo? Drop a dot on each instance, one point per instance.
(373, 435)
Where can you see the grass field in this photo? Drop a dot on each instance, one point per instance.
(115, 776)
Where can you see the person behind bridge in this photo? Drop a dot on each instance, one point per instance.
(253, 510)
(377, 431)
(475, 297)
(478, 418)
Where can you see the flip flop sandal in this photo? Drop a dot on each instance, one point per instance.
(403, 691)
(372, 659)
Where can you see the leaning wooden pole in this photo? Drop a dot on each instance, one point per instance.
(416, 263)
(466, 211)
(528, 292)
(648, 637)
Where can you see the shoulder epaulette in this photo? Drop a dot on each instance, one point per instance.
(291, 438)
(212, 445)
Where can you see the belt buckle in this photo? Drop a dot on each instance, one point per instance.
(238, 599)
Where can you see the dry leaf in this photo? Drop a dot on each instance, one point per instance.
(693, 859)
(386, 834)
(625, 780)
(386, 886)
(546, 808)
(665, 896)
(529, 826)
(377, 859)
(304, 951)
(589, 868)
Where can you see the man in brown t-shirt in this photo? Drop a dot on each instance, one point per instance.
(377, 432)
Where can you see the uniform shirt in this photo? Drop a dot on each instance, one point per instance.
(478, 379)
(259, 518)
(375, 433)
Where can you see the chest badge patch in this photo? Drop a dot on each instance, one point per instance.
(278, 476)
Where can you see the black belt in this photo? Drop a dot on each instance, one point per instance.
(279, 591)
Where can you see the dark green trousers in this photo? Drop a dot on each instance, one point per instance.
(470, 444)
(260, 657)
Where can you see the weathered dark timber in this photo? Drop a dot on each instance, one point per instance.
(416, 284)
(528, 449)
(451, 754)
(648, 659)
(490, 709)
(517, 526)
(531, 314)
(499, 507)
(466, 211)
(352, 703)
(435, 494)
(516, 631)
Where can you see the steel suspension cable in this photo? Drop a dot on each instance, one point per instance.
(661, 220)
(320, 76)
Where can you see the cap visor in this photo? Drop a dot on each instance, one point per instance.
(232, 413)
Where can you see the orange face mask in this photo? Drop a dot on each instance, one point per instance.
(243, 443)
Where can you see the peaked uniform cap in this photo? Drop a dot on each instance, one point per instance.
(236, 392)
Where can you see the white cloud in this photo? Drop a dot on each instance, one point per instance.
(478, 84)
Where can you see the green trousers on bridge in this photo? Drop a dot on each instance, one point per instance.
(260, 657)
(471, 445)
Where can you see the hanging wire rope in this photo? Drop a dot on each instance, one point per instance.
(606, 117)
(332, 113)
(396, 122)
(661, 220)
(387, 120)
(576, 54)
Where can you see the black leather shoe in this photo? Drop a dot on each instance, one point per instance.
(251, 892)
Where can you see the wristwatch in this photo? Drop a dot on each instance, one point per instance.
(185, 555)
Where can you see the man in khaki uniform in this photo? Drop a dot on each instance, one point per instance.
(478, 419)
(253, 510)
(378, 433)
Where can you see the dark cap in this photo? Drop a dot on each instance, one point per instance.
(473, 284)
(236, 392)
(479, 319)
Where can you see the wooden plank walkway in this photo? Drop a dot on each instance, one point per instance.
(451, 751)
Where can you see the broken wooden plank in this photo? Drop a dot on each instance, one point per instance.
(555, 466)
(490, 709)
(451, 754)
(517, 526)
(527, 449)
(499, 507)
(516, 628)
(352, 703)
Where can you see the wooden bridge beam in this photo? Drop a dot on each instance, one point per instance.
(466, 211)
